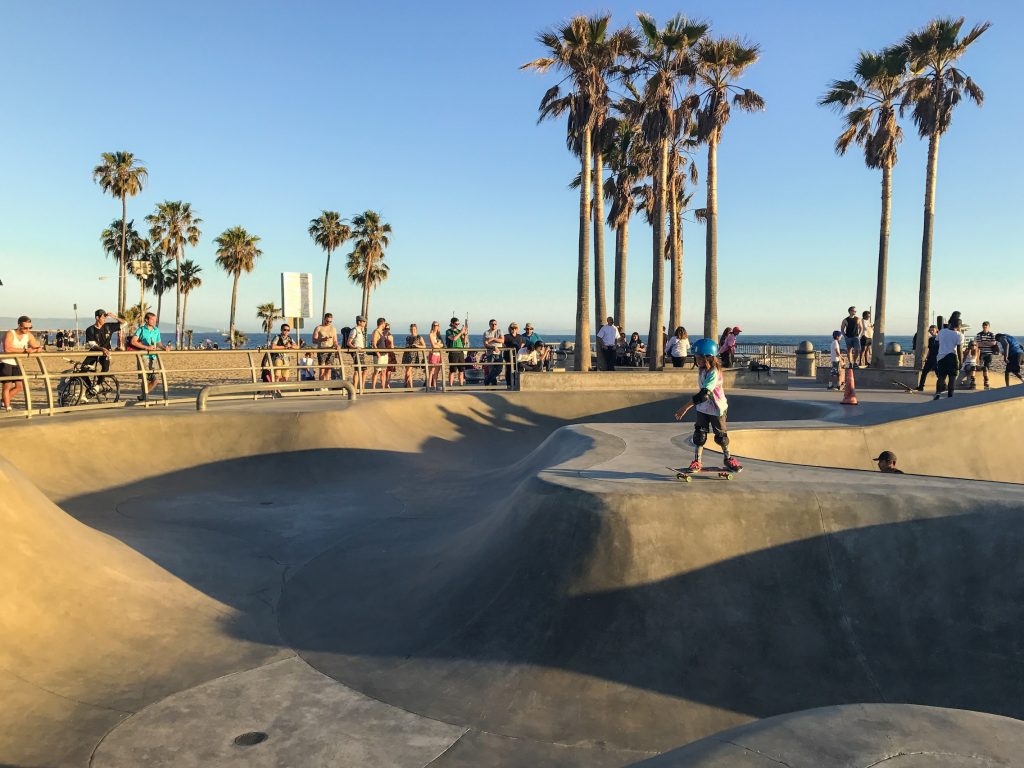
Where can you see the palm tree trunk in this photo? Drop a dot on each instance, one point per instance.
(327, 272)
(366, 293)
(711, 268)
(142, 293)
(600, 305)
(234, 303)
(655, 341)
(878, 339)
(582, 361)
(924, 295)
(159, 305)
(177, 296)
(184, 314)
(621, 245)
(676, 287)
(122, 270)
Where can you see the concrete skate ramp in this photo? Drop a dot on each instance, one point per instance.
(462, 558)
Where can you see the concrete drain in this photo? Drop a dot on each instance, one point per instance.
(250, 739)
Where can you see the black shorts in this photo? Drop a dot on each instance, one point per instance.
(6, 369)
(1013, 364)
(705, 421)
(456, 356)
(102, 360)
(865, 342)
(947, 366)
(325, 358)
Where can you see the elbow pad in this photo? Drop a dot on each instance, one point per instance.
(702, 396)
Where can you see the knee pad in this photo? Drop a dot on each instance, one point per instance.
(722, 438)
(700, 436)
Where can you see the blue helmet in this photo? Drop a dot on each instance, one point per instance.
(705, 348)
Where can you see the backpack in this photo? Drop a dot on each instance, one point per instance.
(345, 333)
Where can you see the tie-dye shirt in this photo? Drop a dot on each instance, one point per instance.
(711, 380)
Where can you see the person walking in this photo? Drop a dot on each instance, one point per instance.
(950, 340)
(931, 356)
(678, 347)
(987, 348)
(1012, 352)
(606, 339)
(852, 329)
(19, 340)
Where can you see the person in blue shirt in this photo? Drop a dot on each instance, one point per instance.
(147, 338)
(1012, 351)
(533, 339)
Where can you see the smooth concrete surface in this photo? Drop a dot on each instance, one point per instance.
(488, 579)
(860, 736)
(635, 379)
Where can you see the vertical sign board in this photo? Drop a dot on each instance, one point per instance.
(297, 296)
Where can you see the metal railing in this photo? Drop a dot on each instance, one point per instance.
(211, 390)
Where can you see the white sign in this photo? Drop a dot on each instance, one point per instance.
(297, 294)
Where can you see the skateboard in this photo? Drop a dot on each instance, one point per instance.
(723, 473)
(905, 388)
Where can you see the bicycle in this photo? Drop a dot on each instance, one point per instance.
(72, 390)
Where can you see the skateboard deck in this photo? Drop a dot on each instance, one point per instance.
(905, 388)
(724, 473)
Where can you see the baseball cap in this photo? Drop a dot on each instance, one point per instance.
(101, 313)
(360, 319)
(737, 329)
(885, 456)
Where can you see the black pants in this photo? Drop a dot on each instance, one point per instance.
(946, 370)
(91, 362)
(677, 362)
(929, 365)
(608, 353)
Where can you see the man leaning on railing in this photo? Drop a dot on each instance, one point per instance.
(147, 338)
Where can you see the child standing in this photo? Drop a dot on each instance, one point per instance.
(711, 405)
(835, 355)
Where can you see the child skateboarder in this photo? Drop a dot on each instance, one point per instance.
(711, 405)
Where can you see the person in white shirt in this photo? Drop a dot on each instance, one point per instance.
(606, 339)
(678, 347)
(948, 358)
(835, 356)
(866, 334)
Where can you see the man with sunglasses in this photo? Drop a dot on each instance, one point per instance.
(18, 340)
(283, 340)
(97, 339)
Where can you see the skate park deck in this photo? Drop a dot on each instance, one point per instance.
(503, 579)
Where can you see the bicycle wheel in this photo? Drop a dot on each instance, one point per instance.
(71, 393)
(108, 391)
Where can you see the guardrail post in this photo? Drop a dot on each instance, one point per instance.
(142, 378)
(252, 372)
(28, 391)
(163, 375)
(46, 380)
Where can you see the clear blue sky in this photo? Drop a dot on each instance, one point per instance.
(263, 113)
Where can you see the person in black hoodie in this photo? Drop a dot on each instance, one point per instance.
(930, 360)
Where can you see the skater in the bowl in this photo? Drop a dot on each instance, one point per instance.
(711, 406)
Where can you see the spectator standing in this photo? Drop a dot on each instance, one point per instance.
(835, 357)
(283, 340)
(931, 357)
(357, 343)
(413, 359)
(866, 334)
(436, 345)
(987, 348)
(21, 340)
(455, 339)
(381, 358)
(392, 357)
(493, 340)
(678, 347)
(1012, 353)
(147, 338)
(512, 343)
(727, 352)
(98, 338)
(637, 350)
(606, 340)
(948, 364)
(852, 329)
(325, 337)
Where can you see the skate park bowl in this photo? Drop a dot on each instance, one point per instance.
(511, 580)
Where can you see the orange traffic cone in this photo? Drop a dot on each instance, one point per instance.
(849, 390)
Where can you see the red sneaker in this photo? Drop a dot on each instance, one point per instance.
(695, 466)
(732, 464)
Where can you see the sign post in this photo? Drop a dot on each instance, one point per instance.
(297, 299)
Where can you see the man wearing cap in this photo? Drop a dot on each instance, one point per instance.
(533, 339)
(886, 461)
(97, 338)
(357, 342)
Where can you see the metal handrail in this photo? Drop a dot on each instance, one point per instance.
(269, 386)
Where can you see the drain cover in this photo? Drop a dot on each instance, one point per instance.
(250, 739)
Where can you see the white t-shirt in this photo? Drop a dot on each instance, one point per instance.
(949, 342)
(677, 347)
(869, 329)
(607, 335)
(836, 354)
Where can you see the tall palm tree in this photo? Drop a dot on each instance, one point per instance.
(665, 60)
(267, 314)
(158, 281)
(584, 53)
(625, 159)
(192, 234)
(719, 63)
(189, 280)
(171, 227)
(121, 176)
(869, 101)
(236, 253)
(120, 237)
(680, 170)
(933, 91)
(366, 265)
(330, 232)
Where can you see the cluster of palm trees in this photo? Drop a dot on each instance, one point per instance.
(919, 75)
(641, 101)
(159, 264)
(674, 89)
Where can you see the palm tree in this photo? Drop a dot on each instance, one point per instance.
(189, 280)
(236, 253)
(933, 91)
(330, 232)
(869, 101)
(123, 238)
(121, 176)
(267, 314)
(158, 281)
(719, 63)
(624, 160)
(665, 60)
(584, 53)
(680, 170)
(171, 227)
(366, 265)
